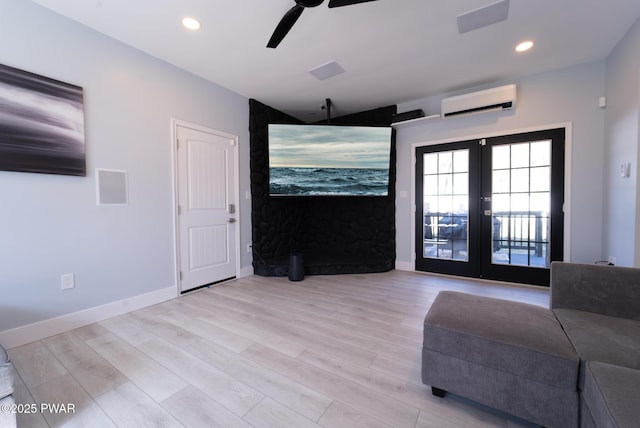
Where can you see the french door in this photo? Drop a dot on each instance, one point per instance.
(491, 208)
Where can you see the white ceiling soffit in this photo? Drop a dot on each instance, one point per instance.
(392, 50)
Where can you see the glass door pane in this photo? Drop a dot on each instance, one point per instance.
(521, 200)
(446, 205)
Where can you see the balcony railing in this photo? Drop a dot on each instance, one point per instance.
(514, 230)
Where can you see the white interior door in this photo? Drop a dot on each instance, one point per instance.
(206, 206)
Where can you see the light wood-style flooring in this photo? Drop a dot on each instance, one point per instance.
(329, 351)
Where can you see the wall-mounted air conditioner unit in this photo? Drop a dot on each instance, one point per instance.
(494, 99)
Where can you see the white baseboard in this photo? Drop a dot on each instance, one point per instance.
(42, 329)
(407, 266)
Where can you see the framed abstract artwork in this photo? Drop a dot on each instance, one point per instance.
(41, 124)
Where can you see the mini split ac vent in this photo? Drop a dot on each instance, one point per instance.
(494, 99)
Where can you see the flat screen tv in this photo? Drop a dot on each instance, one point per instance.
(329, 160)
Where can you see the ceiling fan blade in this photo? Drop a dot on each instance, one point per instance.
(339, 3)
(285, 25)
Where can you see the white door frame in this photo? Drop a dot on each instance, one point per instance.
(236, 191)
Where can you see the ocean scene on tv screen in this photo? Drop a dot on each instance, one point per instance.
(321, 160)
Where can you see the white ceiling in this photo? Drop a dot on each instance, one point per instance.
(392, 50)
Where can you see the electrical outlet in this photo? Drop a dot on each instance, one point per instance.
(612, 260)
(67, 281)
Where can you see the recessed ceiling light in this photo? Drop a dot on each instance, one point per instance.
(524, 46)
(191, 23)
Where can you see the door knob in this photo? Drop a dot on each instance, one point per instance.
(231, 220)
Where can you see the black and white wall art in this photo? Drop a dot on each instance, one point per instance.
(41, 124)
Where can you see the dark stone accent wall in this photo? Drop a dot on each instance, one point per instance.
(334, 234)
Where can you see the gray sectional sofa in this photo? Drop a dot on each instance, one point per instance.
(599, 309)
(574, 364)
(7, 412)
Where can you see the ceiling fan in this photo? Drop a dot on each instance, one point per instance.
(290, 18)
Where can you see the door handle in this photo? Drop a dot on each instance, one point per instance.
(231, 220)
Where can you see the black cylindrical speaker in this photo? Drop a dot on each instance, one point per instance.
(296, 268)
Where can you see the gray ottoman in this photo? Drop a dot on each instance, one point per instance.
(511, 356)
(7, 419)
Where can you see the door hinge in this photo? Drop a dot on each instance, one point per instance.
(179, 210)
(180, 275)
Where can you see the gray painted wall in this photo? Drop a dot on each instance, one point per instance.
(50, 225)
(622, 136)
(565, 96)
